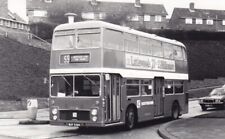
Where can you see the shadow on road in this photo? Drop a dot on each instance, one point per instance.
(115, 129)
(214, 113)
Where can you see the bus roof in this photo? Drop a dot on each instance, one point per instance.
(99, 24)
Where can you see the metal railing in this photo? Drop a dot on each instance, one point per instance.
(25, 38)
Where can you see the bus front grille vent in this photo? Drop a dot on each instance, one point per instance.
(74, 115)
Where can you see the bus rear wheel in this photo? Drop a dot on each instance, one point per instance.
(175, 111)
(130, 118)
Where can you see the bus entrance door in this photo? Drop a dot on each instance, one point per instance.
(114, 103)
(159, 96)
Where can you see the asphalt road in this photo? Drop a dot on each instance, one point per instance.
(142, 131)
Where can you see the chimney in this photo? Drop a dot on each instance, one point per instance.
(71, 17)
(192, 6)
(94, 2)
(137, 3)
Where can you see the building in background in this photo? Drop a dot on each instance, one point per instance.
(135, 15)
(10, 20)
(197, 19)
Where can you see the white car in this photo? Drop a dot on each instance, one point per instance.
(215, 99)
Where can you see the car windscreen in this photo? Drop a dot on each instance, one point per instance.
(217, 92)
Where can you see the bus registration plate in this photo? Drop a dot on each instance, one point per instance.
(74, 114)
(73, 124)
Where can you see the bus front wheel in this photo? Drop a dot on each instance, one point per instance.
(175, 111)
(130, 118)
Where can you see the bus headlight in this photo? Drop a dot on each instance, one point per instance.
(94, 112)
(54, 111)
(94, 118)
(55, 117)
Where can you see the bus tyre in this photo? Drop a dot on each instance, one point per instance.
(130, 119)
(175, 111)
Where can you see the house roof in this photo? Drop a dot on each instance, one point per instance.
(199, 13)
(108, 7)
(152, 9)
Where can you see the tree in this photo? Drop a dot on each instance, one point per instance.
(59, 8)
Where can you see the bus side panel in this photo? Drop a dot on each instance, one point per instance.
(168, 102)
(146, 110)
(113, 59)
(181, 66)
(144, 105)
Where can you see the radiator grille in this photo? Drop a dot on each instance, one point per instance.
(74, 115)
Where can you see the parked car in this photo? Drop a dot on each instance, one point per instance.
(215, 99)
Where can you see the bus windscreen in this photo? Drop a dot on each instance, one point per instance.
(72, 86)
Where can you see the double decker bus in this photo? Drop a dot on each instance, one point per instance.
(103, 74)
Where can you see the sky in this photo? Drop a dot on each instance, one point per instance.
(19, 6)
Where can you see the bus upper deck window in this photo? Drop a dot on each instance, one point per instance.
(88, 38)
(63, 40)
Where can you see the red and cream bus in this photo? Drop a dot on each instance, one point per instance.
(103, 74)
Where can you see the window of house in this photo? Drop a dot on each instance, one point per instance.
(209, 22)
(199, 21)
(147, 17)
(40, 13)
(134, 18)
(158, 18)
(48, 1)
(223, 22)
(89, 15)
(188, 20)
(132, 87)
(168, 87)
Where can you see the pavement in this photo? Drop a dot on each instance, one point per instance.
(206, 126)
